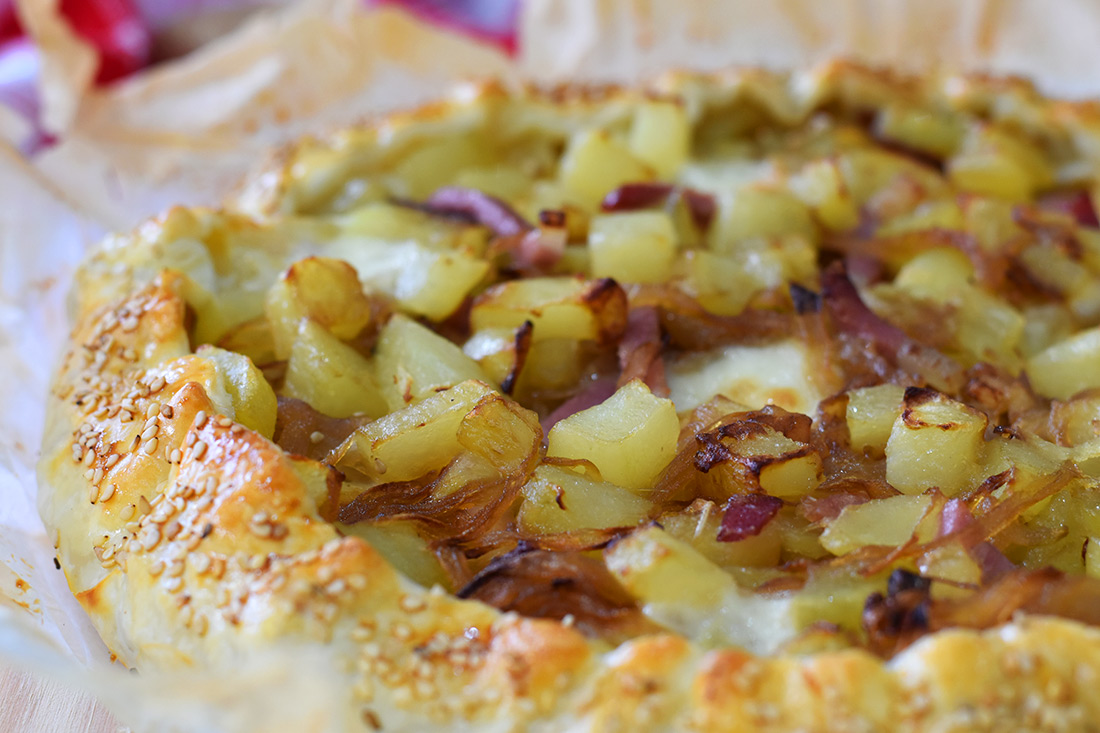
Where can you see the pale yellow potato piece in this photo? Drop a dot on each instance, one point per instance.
(325, 290)
(437, 162)
(771, 462)
(821, 186)
(420, 438)
(1070, 366)
(395, 224)
(402, 546)
(630, 437)
(868, 171)
(413, 362)
(939, 134)
(935, 442)
(254, 402)
(698, 526)
(930, 215)
(889, 522)
(1092, 557)
(990, 174)
(871, 414)
(558, 499)
(331, 376)
(635, 246)
(595, 164)
(660, 136)
(680, 589)
(557, 307)
(756, 212)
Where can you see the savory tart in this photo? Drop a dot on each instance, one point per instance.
(745, 402)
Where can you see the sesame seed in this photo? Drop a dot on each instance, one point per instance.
(187, 614)
(360, 634)
(224, 421)
(157, 385)
(150, 537)
(200, 419)
(112, 460)
(152, 410)
(260, 530)
(97, 475)
(174, 570)
(236, 429)
(107, 553)
(198, 450)
(143, 505)
(172, 529)
(149, 431)
(129, 323)
(402, 632)
(175, 456)
(325, 574)
(107, 492)
(211, 484)
(125, 415)
(201, 625)
(357, 582)
(336, 587)
(199, 561)
(173, 584)
(259, 518)
(127, 512)
(316, 437)
(150, 446)
(279, 531)
(167, 412)
(410, 603)
(88, 474)
(193, 541)
(156, 568)
(189, 440)
(89, 456)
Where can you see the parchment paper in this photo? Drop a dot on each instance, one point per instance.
(188, 131)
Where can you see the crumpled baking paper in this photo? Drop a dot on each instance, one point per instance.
(188, 131)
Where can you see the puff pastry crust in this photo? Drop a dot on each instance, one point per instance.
(191, 538)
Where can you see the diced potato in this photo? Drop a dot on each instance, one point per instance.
(402, 546)
(332, 377)
(436, 164)
(1045, 325)
(595, 164)
(661, 136)
(561, 500)
(253, 339)
(783, 373)
(507, 183)
(1092, 557)
(869, 171)
(990, 174)
(933, 425)
(833, 599)
(552, 364)
(416, 440)
(931, 215)
(424, 281)
(395, 224)
(254, 402)
(636, 246)
(630, 437)
(871, 415)
(327, 291)
(890, 522)
(1070, 366)
(952, 563)
(821, 187)
(757, 212)
(1077, 421)
(698, 526)
(502, 433)
(937, 133)
(719, 282)
(494, 350)
(683, 591)
(558, 308)
(413, 362)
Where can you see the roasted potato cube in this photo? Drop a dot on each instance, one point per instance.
(1077, 421)
(557, 307)
(558, 499)
(630, 437)
(931, 424)
(254, 402)
(1070, 366)
(821, 187)
(889, 522)
(327, 291)
(757, 212)
(932, 132)
(871, 414)
(594, 164)
(990, 174)
(868, 172)
(680, 589)
(416, 440)
(413, 362)
(1092, 557)
(931, 215)
(698, 526)
(660, 136)
(395, 224)
(402, 546)
(636, 246)
(331, 376)
(761, 458)
(437, 162)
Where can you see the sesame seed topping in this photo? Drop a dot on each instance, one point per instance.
(316, 437)
(410, 603)
(112, 460)
(143, 505)
(129, 323)
(260, 530)
(357, 582)
(199, 561)
(173, 584)
(200, 419)
(224, 421)
(174, 570)
(201, 625)
(336, 587)
(150, 446)
(89, 457)
(149, 538)
(198, 450)
(157, 385)
(156, 568)
(152, 410)
(175, 456)
(127, 512)
(211, 484)
(88, 474)
(172, 529)
(189, 440)
(107, 492)
(97, 475)
(402, 632)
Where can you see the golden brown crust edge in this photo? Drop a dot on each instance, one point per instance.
(228, 554)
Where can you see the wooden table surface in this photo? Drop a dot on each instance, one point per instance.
(32, 705)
